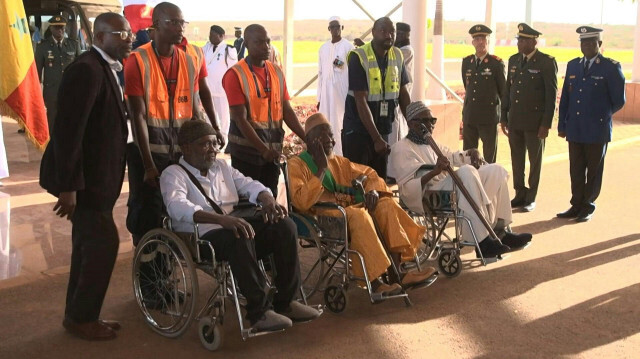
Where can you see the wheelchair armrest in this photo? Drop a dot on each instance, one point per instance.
(358, 183)
(244, 203)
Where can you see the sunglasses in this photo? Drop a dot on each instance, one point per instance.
(425, 119)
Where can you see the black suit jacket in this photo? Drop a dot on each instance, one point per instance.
(86, 152)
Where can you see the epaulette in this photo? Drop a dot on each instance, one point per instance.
(496, 57)
(464, 58)
(549, 56)
(612, 60)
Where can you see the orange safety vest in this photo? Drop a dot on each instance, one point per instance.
(196, 53)
(165, 114)
(264, 110)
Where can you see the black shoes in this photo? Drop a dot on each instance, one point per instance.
(492, 248)
(529, 207)
(516, 241)
(581, 215)
(570, 213)
(517, 202)
(584, 215)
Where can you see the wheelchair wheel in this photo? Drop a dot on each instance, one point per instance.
(165, 282)
(335, 298)
(449, 263)
(210, 333)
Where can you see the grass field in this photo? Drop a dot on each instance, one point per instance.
(307, 51)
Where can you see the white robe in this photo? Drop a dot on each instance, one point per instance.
(333, 84)
(4, 167)
(216, 68)
(487, 186)
(399, 127)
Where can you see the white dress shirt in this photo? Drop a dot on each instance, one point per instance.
(223, 184)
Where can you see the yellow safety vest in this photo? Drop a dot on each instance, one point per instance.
(391, 90)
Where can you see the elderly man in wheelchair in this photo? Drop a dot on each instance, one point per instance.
(318, 175)
(419, 168)
(202, 189)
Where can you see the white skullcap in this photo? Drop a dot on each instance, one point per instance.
(335, 18)
(414, 109)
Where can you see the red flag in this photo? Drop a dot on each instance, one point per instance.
(20, 92)
(138, 13)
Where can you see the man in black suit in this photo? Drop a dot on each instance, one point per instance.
(83, 166)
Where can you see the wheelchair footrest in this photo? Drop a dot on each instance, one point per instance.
(377, 298)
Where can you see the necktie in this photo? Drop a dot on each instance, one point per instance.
(59, 45)
(524, 61)
(214, 48)
(477, 62)
(586, 65)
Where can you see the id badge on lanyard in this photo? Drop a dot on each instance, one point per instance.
(384, 109)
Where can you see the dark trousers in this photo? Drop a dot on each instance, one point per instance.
(145, 202)
(277, 239)
(94, 240)
(586, 165)
(489, 136)
(521, 143)
(358, 148)
(266, 174)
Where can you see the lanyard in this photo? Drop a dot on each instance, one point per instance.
(167, 80)
(267, 88)
(383, 72)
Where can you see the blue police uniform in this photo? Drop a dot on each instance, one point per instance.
(589, 99)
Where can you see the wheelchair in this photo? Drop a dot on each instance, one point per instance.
(165, 284)
(444, 221)
(326, 260)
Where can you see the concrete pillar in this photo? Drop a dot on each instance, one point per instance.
(435, 90)
(414, 13)
(490, 21)
(527, 15)
(635, 72)
(287, 52)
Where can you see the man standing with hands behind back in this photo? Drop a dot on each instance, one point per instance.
(592, 92)
(83, 166)
(484, 81)
(528, 106)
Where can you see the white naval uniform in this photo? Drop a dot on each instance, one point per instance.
(218, 63)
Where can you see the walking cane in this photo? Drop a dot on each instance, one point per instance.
(458, 182)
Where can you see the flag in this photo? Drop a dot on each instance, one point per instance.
(138, 13)
(20, 91)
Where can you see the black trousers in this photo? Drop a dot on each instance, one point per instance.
(489, 136)
(266, 174)
(95, 242)
(358, 148)
(586, 165)
(521, 143)
(145, 202)
(277, 239)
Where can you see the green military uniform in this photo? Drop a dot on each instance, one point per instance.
(484, 83)
(51, 60)
(529, 103)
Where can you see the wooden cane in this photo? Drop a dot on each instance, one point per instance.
(458, 182)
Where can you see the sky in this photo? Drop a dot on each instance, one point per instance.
(614, 12)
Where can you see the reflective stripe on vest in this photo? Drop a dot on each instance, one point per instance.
(166, 114)
(264, 116)
(198, 56)
(367, 58)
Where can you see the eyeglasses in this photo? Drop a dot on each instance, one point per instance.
(124, 34)
(335, 26)
(176, 22)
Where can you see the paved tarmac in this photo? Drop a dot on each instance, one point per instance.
(573, 293)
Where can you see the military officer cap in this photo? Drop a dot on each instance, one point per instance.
(479, 30)
(525, 30)
(57, 20)
(401, 26)
(588, 32)
(237, 28)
